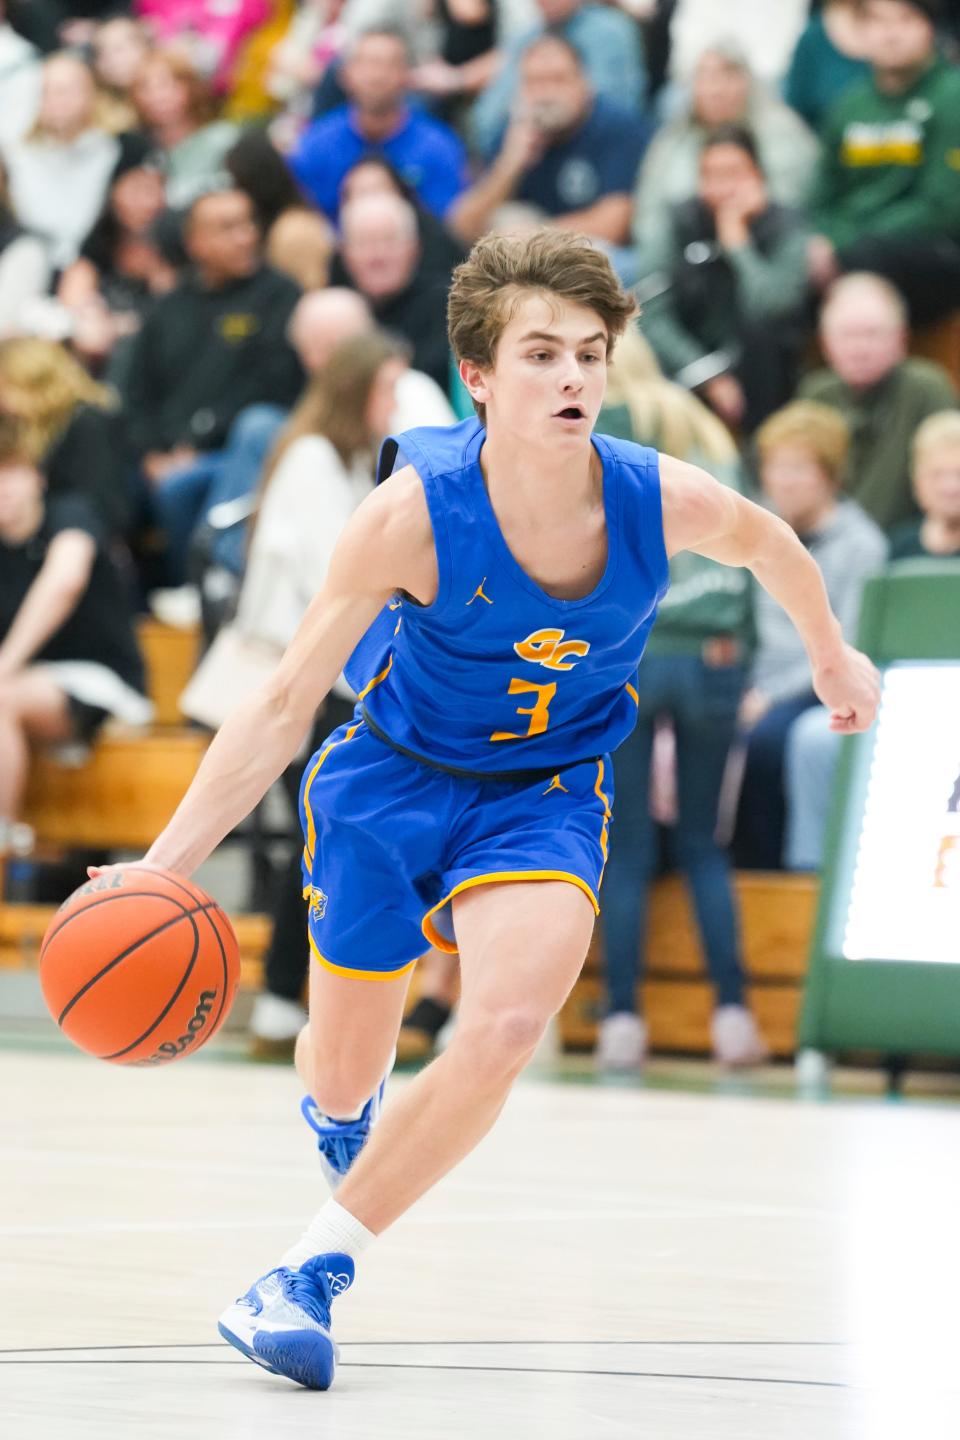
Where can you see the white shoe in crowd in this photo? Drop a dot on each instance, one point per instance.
(622, 1042)
(735, 1038)
(276, 1021)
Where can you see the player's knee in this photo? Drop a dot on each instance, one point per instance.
(503, 1041)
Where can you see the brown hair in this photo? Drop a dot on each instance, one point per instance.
(490, 283)
(202, 103)
(334, 403)
(817, 428)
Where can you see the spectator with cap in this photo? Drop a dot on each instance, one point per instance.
(215, 344)
(380, 251)
(880, 391)
(567, 153)
(379, 119)
(887, 192)
(610, 47)
(726, 287)
(724, 92)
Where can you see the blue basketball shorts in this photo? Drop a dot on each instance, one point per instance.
(389, 841)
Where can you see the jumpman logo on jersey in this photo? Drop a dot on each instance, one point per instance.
(555, 785)
(478, 593)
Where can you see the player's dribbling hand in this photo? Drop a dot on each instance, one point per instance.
(849, 686)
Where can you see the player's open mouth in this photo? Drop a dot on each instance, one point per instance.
(570, 412)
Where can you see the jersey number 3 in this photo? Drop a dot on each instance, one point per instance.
(539, 711)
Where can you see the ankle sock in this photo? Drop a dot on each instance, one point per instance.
(332, 1228)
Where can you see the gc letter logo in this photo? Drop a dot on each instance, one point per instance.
(549, 649)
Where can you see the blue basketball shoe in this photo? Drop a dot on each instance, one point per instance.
(340, 1141)
(283, 1321)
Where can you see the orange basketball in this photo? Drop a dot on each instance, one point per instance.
(139, 967)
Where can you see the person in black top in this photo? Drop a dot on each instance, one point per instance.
(214, 345)
(68, 654)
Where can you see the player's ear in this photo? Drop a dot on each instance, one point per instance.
(475, 381)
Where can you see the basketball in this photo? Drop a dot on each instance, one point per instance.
(139, 967)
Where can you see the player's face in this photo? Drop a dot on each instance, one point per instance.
(936, 481)
(550, 372)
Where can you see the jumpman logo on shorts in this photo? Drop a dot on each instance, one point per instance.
(555, 785)
(478, 593)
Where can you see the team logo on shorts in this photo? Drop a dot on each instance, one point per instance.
(318, 903)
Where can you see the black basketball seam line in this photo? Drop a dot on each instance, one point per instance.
(223, 966)
(188, 889)
(95, 979)
(101, 900)
(170, 1003)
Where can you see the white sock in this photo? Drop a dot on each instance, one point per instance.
(331, 1229)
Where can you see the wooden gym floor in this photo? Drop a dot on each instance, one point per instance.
(615, 1261)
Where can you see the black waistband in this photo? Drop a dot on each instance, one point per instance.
(495, 777)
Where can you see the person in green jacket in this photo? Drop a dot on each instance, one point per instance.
(886, 194)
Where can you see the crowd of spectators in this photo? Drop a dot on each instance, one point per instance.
(208, 210)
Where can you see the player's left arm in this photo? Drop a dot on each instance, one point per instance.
(701, 515)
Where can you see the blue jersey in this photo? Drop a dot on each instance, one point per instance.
(496, 675)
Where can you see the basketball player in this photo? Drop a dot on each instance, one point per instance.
(497, 590)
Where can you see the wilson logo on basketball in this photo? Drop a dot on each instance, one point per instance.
(170, 1049)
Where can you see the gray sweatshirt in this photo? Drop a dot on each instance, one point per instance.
(849, 548)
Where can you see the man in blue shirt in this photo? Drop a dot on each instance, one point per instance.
(570, 155)
(379, 121)
(609, 42)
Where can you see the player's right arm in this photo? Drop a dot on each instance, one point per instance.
(386, 546)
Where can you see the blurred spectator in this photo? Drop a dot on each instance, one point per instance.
(887, 192)
(725, 298)
(830, 56)
(19, 81)
(568, 154)
(320, 322)
(209, 31)
(767, 33)
(321, 468)
(301, 244)
(256, 166)
(314, 39)
(379, 118)
(122, 266)
(880, 392)
(608, 43)
(68, 655)
(936, 486)
(803, 451)
(691, 676)
(177, 109)
(212, 346)
(59, 170)
(70, 426)
(440, 251)
(813, 749)
(466, 57)
(724, 93)
(24, 267)
(120, 46)
(381, 257)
